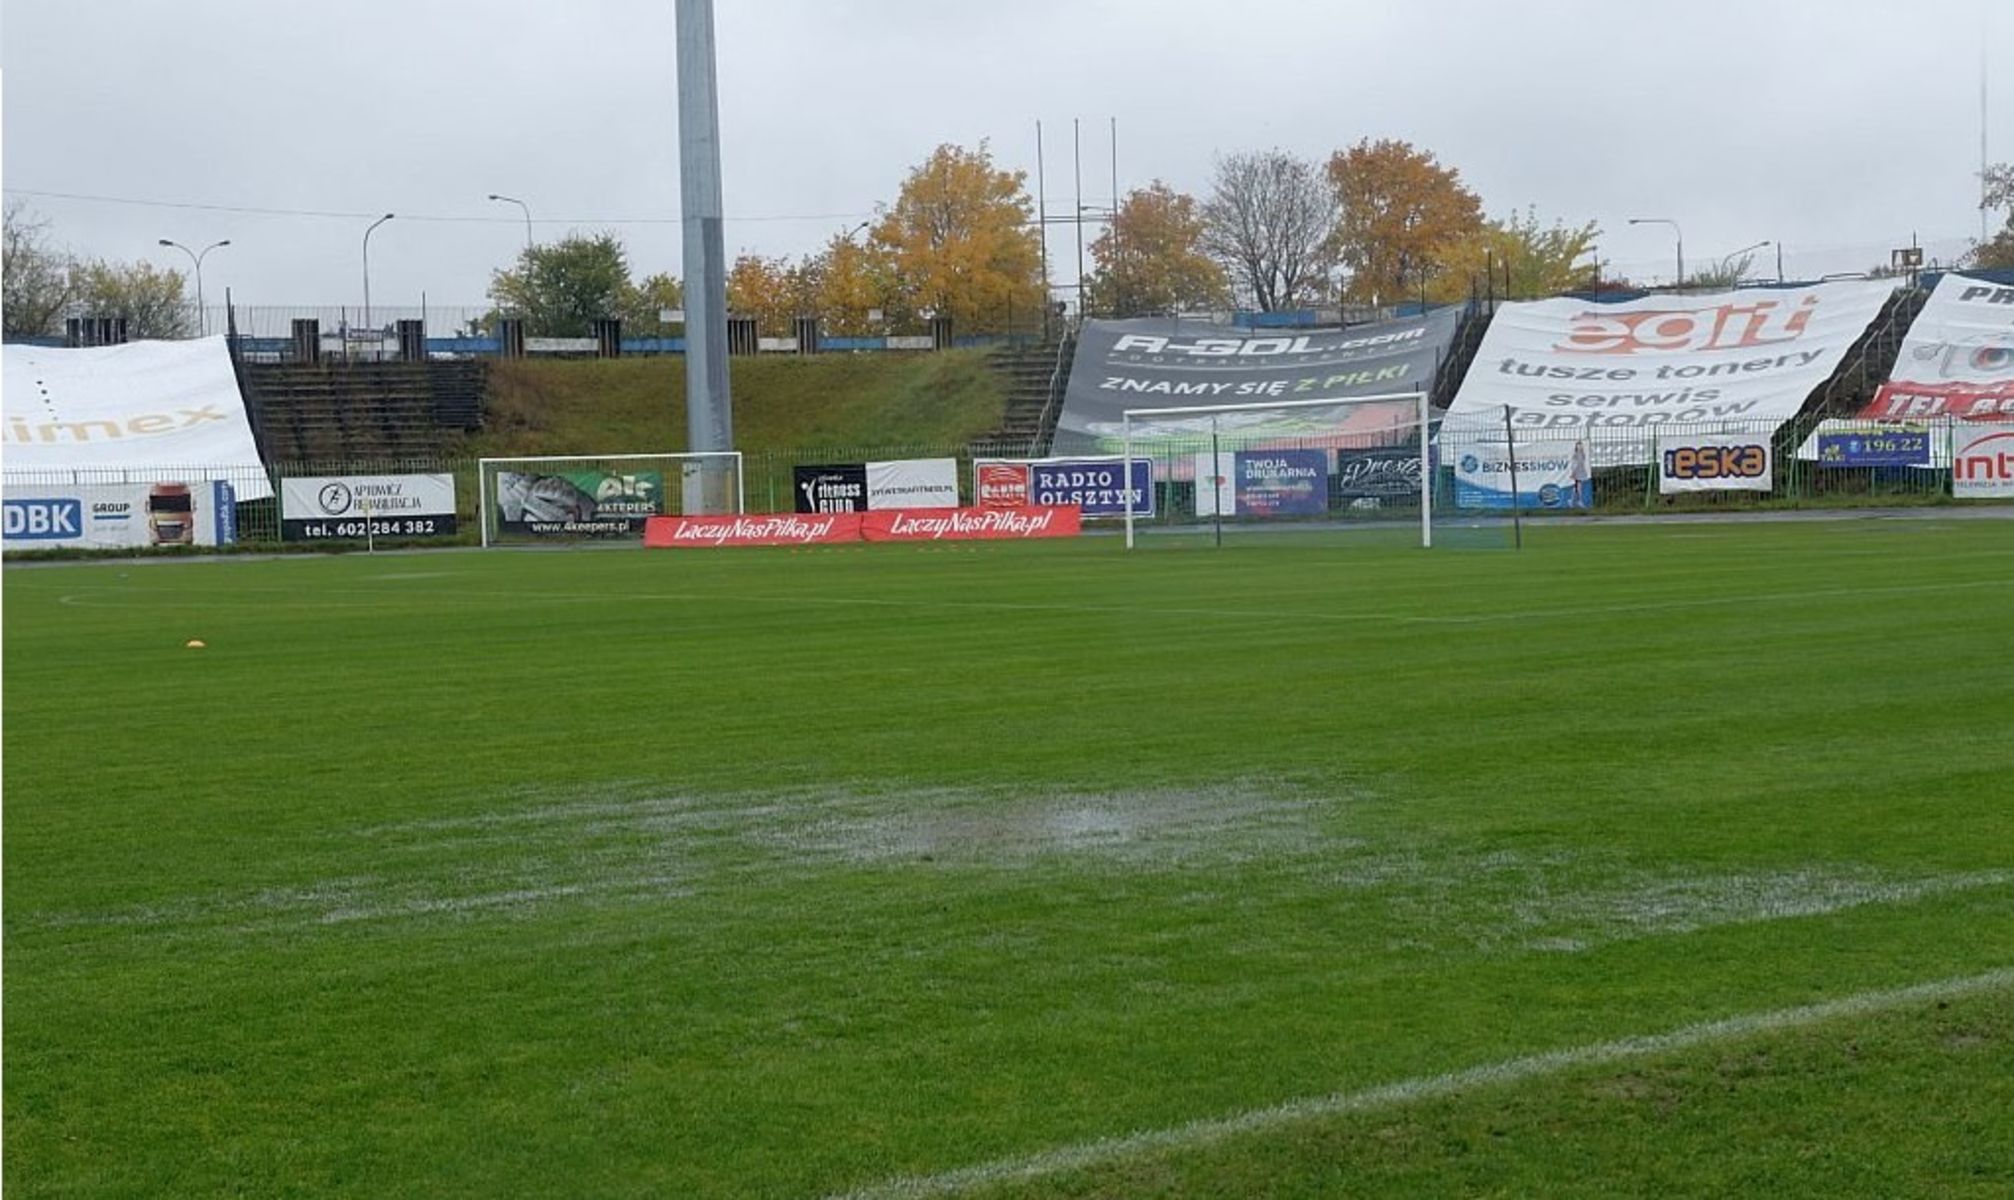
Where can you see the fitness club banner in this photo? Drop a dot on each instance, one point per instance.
(861, 487)
(1567, 367)
(1096, 486)
(1958, 360)
(1161, 362)
(1714, 462)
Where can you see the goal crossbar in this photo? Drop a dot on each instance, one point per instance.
(1418, 397)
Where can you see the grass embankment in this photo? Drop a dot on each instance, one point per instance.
(637, 405)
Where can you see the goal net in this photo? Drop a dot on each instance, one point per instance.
(561, 498)
(1363, 463)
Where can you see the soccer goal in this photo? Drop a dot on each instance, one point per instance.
(1365, 461)
(565, 498)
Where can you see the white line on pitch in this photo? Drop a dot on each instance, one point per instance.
(1407, 1091)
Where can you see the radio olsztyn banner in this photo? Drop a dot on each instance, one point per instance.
(152, 410)
(359, 506)
(1163, 362)
(1095, 486)
(1958, 360)
(1575, 368)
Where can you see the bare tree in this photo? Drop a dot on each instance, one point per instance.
(37, 280)
(1268, 221)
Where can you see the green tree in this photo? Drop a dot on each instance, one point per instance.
(1399, 215)
(1998, 250)
(151, 298)
(560, 288)
(37, 276)
(1151, 258)
(852, 280)
(1539, 259)
(641, 305)
(960, 241)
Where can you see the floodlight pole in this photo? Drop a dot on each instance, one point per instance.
(709, 408)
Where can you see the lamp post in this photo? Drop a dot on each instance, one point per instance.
(1677, 232)
(202, 314)
(1727, 263)
(367, 266)
(527, 214)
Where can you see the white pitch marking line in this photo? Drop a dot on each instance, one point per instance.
(1426, 1087)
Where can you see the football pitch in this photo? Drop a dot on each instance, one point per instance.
(1653, 860)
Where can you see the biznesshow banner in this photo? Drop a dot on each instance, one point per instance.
(860, 487)
(1550, 474)
(355, 506)
(120, 516)
(1162, 362)
(1096, 486)
(153, 410)
(1712, 462)
(1567, 368)
(1958, 360)
(1982, 461)
(578, 501)
(886, 525)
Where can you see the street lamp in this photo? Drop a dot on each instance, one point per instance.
(1676, 231)
(1727, 264)
(367, 266)
(202, 314)
(527, 214)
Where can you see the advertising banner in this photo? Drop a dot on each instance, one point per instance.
(1958, 360)
(775, 529)
(913, 483)
(578, 501)
(120, 516)
(1714, 462)
(356, 506)
(1278, 483)
(1571, 367)
(961, 524)
(1096, 486)
(1982, 461)
(1215, 492)
(1162, 362)
(167, 411)
(1892, 446)
(1377, 474)
(827, 489)
(1551, 474)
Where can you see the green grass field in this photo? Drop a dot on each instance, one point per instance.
(1307, 867)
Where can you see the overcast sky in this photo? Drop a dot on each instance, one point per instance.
(1840, 127)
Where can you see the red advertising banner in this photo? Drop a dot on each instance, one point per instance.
(1902, 401)
(1001, 485)
(775, 529)
(944, 524)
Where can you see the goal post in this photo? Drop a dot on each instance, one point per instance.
(1341, 428)
(559, 498)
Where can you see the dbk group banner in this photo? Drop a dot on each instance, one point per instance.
(1550, 474)
(1095, 486)
(1958, 360)
(120, 516)
(578, 501)
(1982, 461)
(355, 506)
(166, 411)
(1710, 462)
(1566, 367)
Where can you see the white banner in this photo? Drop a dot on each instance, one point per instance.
(1550, 474)
(119, 516)
(338, 506)
(1958, 360)
(913, 483)
(1570, 367)
(1982, 461)
(1714, 462)
(1216, 485)
(155, 410)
